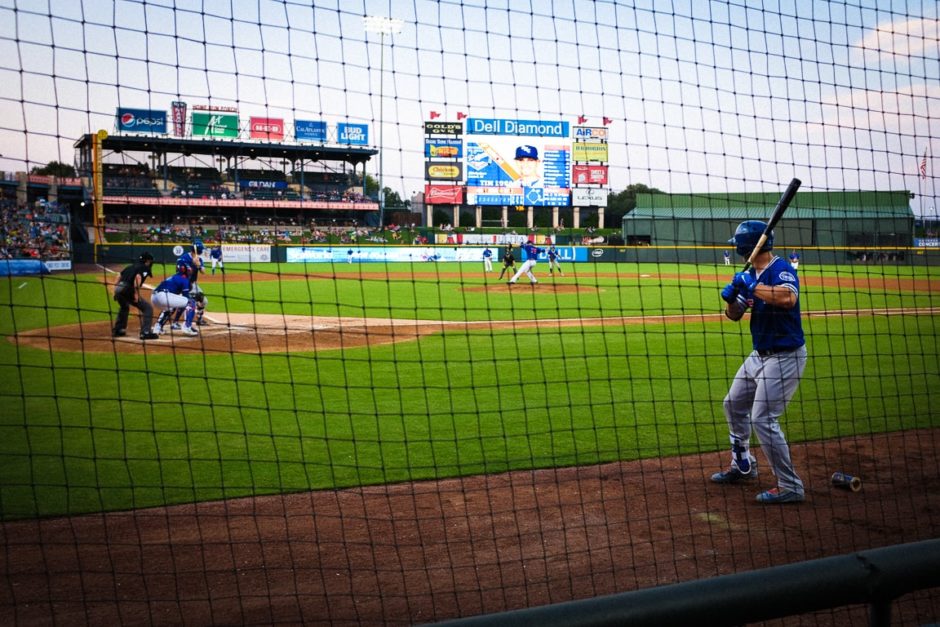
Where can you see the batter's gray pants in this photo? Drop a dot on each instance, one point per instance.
(758, 397)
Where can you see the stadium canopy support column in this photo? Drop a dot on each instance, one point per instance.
(456, 221)
(554, 217)
(529, 217)
(479, 217)
(504, 217)
(600, 217)
(429, 212)
(576, 217)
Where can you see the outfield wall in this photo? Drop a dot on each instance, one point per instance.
(362, 253)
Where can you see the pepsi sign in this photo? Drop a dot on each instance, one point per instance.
(141, 120)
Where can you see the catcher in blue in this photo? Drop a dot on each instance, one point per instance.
(768, 379)
(531, 254)
(173, 293)
(192, 258)
(553, 256)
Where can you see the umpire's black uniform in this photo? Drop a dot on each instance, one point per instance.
(126, 294)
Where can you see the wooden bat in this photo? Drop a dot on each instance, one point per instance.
(780, 209)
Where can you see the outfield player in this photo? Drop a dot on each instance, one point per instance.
(487, 259)
(795, 259)
(531, 253)
(553, 261)
(727, 258)
(174, 293)
(767, 380)
(509, 261)
(127, 294)
(215, 256)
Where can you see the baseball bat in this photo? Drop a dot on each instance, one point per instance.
(779, 210)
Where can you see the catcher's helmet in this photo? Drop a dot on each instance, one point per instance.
(746, 236)
(145, 257)
(183, 268)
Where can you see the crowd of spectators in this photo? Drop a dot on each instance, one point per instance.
(36, 231)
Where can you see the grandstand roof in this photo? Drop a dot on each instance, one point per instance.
(830, 205)
(271, 150)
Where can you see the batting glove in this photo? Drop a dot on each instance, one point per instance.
(730, 293)
(745, 282)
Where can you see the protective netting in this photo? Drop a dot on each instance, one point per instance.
(470, 336)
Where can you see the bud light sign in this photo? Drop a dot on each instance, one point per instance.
(357, 134)
(141, 120)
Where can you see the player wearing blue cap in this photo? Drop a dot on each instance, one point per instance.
(527, 165)
(531, 252)
(487, 259)
(192, 258)
(215, 256)
(173, 293)
(769, 377)
(553, 256)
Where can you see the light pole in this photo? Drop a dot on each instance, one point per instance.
(390, 26)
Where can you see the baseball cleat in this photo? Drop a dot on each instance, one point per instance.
(176, 326)
(149, 335)
(201, 322)
(776, 495)
(191, 332)
(118, 333)
(158, 329)
(733, 475)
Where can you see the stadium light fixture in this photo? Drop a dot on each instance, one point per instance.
(384, 26)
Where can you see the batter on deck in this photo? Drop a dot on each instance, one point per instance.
(765, 383)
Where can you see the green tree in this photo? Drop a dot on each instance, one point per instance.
(622, 203)
(392, 198)
(55, 168)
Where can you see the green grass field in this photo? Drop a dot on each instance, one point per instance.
(86, 432)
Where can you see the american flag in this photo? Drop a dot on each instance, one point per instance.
(923, 166)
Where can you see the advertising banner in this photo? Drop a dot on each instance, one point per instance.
(252, 184)
(443, 128)
(178, 109)
(443, 171)
(584, 151)
(141, 121)
(310, 130)
(512, 170)
(246, 253)
(589, 174)
(355, 134)
(443, 194)
(590, 132)
(386, 254)
(589, 197)
(266, 128)
(527, 128)
(435, 148)
(215, 125)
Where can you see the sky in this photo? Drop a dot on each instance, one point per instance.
(704, 97)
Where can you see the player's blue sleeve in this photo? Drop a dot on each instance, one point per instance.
(784, 278)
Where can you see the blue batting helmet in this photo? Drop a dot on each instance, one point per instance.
(527, 152)
(746, 236)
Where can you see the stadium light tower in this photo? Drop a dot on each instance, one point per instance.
(384, 26)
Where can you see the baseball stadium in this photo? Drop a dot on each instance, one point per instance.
(564, 313)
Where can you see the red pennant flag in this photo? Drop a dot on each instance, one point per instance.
(582, 119)
(435, 115)
(607, 121)
(461, 115)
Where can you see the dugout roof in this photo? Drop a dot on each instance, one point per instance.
(230, 149)
(832, 205)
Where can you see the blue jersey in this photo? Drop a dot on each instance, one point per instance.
(552, 253)
(189, 260)
(176, 284)
(216, 253)
(531, 250)
(776, 328)
(487, 253)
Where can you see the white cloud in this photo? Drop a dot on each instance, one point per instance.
(910, 38)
